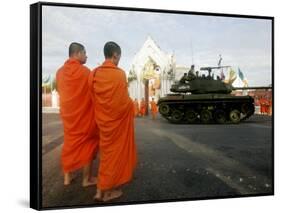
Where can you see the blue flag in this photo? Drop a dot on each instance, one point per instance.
(241, 76)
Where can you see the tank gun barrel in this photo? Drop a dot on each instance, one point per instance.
(248, 88)
(211, 68)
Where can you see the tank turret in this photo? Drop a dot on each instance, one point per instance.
(202, 84)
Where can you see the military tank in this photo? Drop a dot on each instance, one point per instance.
(203, 99)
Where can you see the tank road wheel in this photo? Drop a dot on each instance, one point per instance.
(220, 116)
(234, 116)
(205, 116)
(176, 116)
(190, 115)
(164, 109)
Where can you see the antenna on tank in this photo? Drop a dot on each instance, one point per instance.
(191, 48)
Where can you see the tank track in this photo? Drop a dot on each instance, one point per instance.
(229, 110)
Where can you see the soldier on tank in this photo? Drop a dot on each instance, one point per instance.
(191, 75)
(184, 78)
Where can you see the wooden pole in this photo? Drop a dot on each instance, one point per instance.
(146, 95)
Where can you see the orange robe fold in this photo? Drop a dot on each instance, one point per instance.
(153, 106)
(262, 105)
(77, 113)
(142, 108)
(114, 114)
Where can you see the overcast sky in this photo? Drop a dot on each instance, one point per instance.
(244, 43)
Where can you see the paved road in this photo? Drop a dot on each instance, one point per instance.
(175, 162)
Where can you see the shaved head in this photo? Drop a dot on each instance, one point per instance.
(110, 49)
(78, 52)
(75, 48)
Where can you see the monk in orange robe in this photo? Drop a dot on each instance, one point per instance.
(270, 107)
(114, 114)
(267, 105)
(136, 104)
(262, 105)
(77, 113)
(153, 108)
(143, 107)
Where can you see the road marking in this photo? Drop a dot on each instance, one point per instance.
(216, 160)
(228, 181)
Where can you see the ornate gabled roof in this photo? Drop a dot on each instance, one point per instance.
(150, 51)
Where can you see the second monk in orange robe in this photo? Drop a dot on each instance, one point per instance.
(114, 114)
(143, 107)
(136, 104)
(153, 108)
(77, 113)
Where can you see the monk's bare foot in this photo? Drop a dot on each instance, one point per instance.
(98, 196)
(90, 182)
(112, 194)
(67, 179)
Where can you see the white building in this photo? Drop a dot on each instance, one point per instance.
(151, 73)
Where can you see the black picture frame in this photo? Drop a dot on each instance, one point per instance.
(36, 98)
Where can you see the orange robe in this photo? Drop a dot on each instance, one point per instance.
(77, 113)
(142, 108)
(270, 107)
(266, 106)
(114, 114)
(136, 104)
(154, 109)
(262, 105)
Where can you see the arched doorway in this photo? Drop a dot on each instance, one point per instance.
(151, 80)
